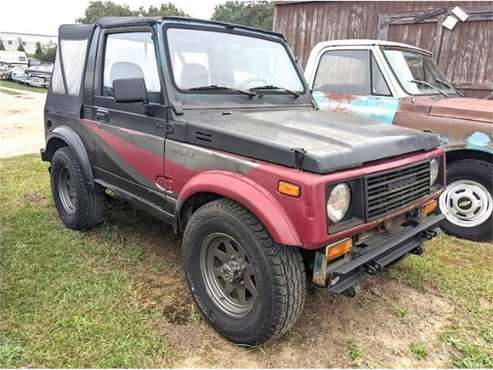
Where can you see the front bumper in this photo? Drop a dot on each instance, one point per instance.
(380, 252)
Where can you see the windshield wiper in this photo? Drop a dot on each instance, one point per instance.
(447, 85)
(218, 87)
(272, 87)
(424, 83)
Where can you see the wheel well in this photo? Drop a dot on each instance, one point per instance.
(455, 155)
(192, 204)
(53, 145)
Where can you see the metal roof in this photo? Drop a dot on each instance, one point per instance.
(366, 42)
(133, 21)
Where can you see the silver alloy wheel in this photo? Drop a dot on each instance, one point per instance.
(228, 274)
(466, 203)
(66, 190)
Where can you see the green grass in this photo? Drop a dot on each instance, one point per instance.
(354, 351)
(66, 301)
(419, 350)
(461, 271)
(19, 86)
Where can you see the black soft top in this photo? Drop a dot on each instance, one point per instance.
(136, 21)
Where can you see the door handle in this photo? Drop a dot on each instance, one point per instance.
(102, 115)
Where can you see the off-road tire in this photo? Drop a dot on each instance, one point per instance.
(480, 172)
(88, 205)
(280, 274)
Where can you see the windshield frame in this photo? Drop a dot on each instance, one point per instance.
(454, 91)
(240, 32)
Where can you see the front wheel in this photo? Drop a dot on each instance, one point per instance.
(249, 289)
(467, 201)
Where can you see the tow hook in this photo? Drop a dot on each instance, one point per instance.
(429, 234)
(418, 251)
(351, 292)
(372, 268)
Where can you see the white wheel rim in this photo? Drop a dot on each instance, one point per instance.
(466, 203)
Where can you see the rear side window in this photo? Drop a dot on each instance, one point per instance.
(72, 54)
(57, 78)
(130, 55)
(73, 57)
(343, 72)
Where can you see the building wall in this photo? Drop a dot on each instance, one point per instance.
(11, 41)
(465, 56)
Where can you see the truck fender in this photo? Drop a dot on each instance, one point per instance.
(74, 142)
(246, 192)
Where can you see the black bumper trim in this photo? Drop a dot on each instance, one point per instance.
(43, 155)
(375, 260)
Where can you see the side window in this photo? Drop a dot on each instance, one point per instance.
(131, 55)
(344, 72)
(379, 86)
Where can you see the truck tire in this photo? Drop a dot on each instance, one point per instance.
(79, 206)
(467, 201)
(249, 289)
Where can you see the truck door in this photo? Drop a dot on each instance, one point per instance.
(130, 150)
(350, 81)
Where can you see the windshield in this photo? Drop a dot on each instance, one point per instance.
(208, 58)
(417, 72)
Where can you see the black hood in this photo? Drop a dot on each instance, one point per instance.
(328, 141)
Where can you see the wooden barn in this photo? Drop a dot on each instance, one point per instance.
(464, 53)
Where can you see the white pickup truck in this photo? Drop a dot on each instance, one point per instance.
(394, 83)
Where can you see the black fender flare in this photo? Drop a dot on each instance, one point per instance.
(74, 142)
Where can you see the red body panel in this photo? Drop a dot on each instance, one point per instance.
(298, 221)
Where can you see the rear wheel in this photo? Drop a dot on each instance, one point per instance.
(79, 206)
(249, 289)
(467, 201)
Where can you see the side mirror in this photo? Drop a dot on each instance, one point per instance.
(130, 90)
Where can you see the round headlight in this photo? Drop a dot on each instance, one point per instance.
(434, 168)
(338, 202)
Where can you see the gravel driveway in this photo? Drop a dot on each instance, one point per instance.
(21, 122)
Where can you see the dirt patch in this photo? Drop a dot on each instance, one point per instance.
(21, 122)
(35, 199)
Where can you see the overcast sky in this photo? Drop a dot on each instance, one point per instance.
(44, 16)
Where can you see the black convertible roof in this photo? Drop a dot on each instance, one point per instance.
(135, 21)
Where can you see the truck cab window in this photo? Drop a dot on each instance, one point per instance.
(379, 86)
(131, 55)
(343, 72)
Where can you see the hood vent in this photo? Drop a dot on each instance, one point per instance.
(203, 136)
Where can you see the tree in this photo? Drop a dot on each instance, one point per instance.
(108, 8)
(49, 54)
(39, 54)
(98, 9)
(253, 13)
(21, 47)
(168, 9)
(2, 46)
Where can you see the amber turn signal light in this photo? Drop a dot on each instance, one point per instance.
(429, 207)
(288, 188)
(338, 249)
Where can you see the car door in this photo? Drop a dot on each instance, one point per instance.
(130, 155)
(351, 81)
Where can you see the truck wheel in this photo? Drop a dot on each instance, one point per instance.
(79, 206)
(467, 201)
(250, 289)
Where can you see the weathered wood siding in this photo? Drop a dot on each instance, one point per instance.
(465, 53)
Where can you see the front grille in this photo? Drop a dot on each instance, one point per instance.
(391, 190)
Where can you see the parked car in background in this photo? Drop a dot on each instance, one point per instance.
(400, 84)
(18, 74)
(40, 75)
